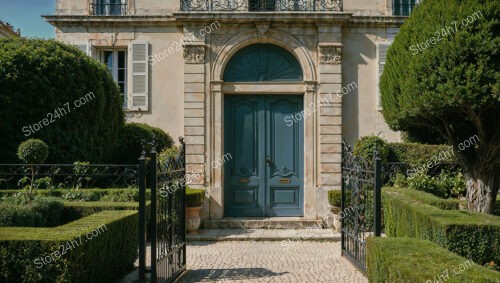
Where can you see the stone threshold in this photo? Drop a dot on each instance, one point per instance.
(263, 235)
(263, 223)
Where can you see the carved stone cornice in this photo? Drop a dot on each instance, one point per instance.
(330, 54)
(194, 54)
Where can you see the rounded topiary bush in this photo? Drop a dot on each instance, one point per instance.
(40, 81)
(194, 197)
(133, 135)
(365, 147)
(33, 151)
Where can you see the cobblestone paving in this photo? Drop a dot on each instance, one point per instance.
(259, 261)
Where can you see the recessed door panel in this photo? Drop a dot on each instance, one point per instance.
(284, 147)
(265, 175)
(243, 174)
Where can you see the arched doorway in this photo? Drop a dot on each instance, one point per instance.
(265, 176)
(263, 63)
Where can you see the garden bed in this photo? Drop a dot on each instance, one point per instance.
(413, 260)
(472, 235)
(97, 248)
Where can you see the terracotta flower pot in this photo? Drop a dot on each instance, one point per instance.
(192, 218)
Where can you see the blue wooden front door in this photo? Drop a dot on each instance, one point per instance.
(265, 175)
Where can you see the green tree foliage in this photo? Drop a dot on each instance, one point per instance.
(42, 79)
(33, 151)
(367, 145)
(133, 137)
(442, 74)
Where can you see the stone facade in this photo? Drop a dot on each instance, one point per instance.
(6, 30)
(336, 50)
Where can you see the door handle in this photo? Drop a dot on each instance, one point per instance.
(268, 161)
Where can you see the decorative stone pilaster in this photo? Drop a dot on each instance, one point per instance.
(330, 54)
(311, 155)
(330, 114)
(215, 108)
(194, 54)
(194, 111)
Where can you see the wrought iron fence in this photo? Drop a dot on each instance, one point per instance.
(108, 9)
(262, 5)
(167, 213)
(361, 204)
(167, 232)
(67, 176)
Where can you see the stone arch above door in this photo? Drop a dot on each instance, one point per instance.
(263, 63)
(252, 36)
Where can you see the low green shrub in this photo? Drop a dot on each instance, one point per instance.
(416, 154)
(41, 212)
(335, 198)
(497, 206)
(427, 198)
(412, 260)
(93, 194)
(67, 254)
(167, 156)
(194, 197)
(399, 180)
(469, 234)
(366, 146)
(133, 135)
(444, 185)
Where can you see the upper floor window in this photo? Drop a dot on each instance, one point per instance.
(116, 61)
(109, 7)
(262, 5)
(403, 7)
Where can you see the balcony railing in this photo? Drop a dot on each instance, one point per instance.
(261, 5)
(99, 9)
(403, 7)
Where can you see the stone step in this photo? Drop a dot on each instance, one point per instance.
(263, 223)
(289, 235)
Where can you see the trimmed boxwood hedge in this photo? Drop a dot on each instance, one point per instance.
(469, 234)
(194, 197)
(100, 259)
(417, 154)
(77, 210)
(41, 212)
(335, 198)
(413, 260)
(427, 198)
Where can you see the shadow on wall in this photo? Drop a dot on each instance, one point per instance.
(356, 47)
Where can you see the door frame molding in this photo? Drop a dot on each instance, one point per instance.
(215, 137)
(214, 109)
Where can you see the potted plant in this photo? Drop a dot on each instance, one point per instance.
(334, 198)
(194, 201)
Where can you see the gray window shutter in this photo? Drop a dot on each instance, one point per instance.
(83, 46)
(139, 76)
(86, 48)
(381, 55)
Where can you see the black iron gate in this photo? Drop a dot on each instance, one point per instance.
(167, 231)
(361, 204)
